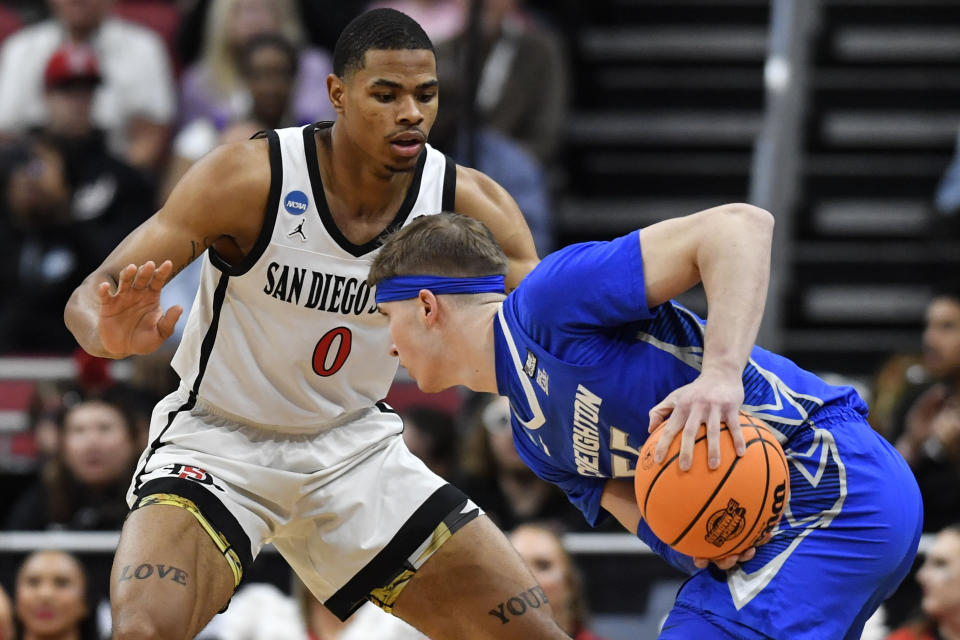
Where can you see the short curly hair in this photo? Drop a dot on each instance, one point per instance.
(384, 29)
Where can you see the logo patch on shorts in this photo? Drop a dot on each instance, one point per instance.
(296, 202)
(186, 472)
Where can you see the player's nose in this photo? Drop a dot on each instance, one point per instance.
(409, 111)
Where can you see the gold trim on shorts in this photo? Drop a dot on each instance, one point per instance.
(218, 538)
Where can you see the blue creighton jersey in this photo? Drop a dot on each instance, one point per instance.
(583, 360)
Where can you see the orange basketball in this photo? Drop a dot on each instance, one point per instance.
(714, 513)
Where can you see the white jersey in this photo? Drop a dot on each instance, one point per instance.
(290, 337)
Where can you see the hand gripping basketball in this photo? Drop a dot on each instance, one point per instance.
(715, 513)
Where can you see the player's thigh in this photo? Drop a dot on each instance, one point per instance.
(169, 578)
(475, 586)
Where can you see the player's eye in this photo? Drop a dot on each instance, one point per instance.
(427, 97)
(383, 97)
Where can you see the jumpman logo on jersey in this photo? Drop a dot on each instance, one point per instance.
(299, 229)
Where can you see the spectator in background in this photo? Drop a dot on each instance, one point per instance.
(369, 621)
(939, 578)
(259, 611)
(214, 86)
(497, 479)
(500, 157)
(442, 20)
(268, 68)
(136, 102)
(896, 384)
(524, 88)
(84, 487)
(430, 435)
(37, 443)
(68, 201)
(10, 22)
(6, 616)
(931, 438)
(51, 598)
(947, 197)
(543, 552)
(320, 622)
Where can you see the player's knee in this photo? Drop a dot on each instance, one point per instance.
(142, 625)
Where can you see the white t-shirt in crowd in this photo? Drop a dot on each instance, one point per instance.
(136, 70)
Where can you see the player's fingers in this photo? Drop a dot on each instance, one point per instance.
(747, 555)
(726, 563)
(144, 273)
(103, 290)
(126, 278)
(161, 275)
(169, 320)
(701, 563)
(713, 437)
(670, 429)
(659, 414)
(689, 437)
(733, 423)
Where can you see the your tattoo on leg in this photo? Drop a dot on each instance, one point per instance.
(519, 604)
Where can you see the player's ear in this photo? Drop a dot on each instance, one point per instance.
(428, 307)
(335, 91)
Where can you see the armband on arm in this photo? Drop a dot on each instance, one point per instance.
(674, 558)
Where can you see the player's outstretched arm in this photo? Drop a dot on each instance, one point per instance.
(728, 249)
(480, 197)
(116, 312)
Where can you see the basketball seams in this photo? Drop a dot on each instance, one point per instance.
(716, 490)
(666, 464)
(766, 484)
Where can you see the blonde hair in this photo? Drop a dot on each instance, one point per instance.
(221, 65)
(445, 244)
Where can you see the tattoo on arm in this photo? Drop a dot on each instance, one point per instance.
(516, 606)
(145, 571)
(196, 249)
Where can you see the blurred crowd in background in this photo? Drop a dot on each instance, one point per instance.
(105, 104)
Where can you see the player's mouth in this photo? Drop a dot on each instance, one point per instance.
(408, 144)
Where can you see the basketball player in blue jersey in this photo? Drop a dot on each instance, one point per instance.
(593, 354)
(276, 433)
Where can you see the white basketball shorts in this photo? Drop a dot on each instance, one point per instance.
(353, 512)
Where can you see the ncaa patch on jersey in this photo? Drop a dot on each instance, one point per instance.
(296, 202)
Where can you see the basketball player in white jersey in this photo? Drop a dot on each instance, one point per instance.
(277, 433)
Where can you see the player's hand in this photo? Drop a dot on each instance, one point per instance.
(729, 562)
(713, 398)
(131, 319)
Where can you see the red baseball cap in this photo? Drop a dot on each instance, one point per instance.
(72, 63)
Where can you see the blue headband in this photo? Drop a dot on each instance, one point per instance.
(406, 287)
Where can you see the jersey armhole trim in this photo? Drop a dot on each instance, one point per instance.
(269, 214)
(449, 199)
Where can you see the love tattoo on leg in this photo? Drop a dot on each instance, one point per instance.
(518, 605)
(146, 571)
